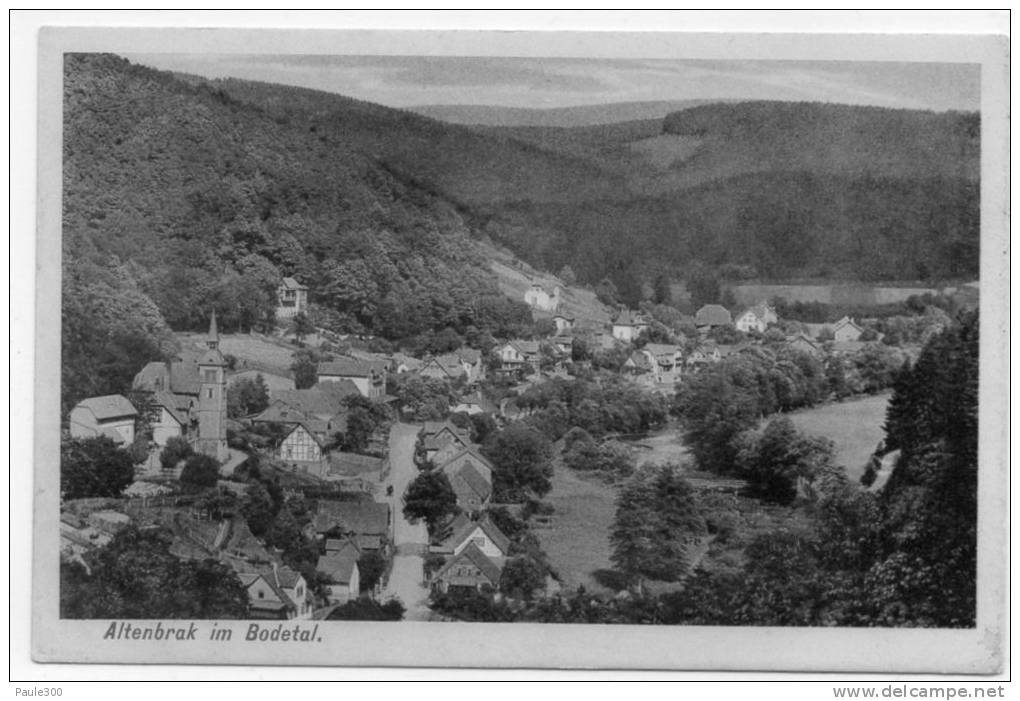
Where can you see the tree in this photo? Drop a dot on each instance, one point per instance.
(258, 508)
(94, 467)
(305, 367)
(200, 471)
(430, 496)
(776, 459)
(247, 396)
(175, 450)
(657, 521)
(218, 504)
(136, 576)
(371, 566)
(301, 326)
(368, 610)
(521, 577)
(522, 458)
(567, 276)
(360, 427)
(713, 411)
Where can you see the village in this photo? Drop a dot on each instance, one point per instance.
(345, 452)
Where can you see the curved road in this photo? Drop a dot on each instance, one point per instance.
(411, 540)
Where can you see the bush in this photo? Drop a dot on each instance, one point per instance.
(94, 467)
(175, 450)
(521, 577)
(368, 610)
(200, 471)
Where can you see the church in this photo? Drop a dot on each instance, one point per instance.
(189, 397)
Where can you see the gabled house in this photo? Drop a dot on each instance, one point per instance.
(629, 325)
(748, 321)
(274, 592)
(112, 416)
(483, 534)
(538, 298)
(292, 298)
(564, 324)
(515, 355)
(344, 578)
(470, 476)
(711, 316)
(564, 344)
(703, 354)
(449, 366)
(301, 445)
(353, 518)
(846, 329)
(641, 366)
(803, 343)
(471, 569)
(475, 403)
(369, 376)
(437, 435)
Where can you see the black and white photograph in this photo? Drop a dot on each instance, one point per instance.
(483, 343)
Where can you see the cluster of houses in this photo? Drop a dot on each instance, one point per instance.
(474, 549)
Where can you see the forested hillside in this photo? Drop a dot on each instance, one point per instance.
(854, 193)
(178, 199)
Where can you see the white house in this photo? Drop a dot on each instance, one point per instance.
(292, 298)
(756, 318)
(111, 415)
(564, 324)
(538, 298)
(629, 325)
(300, 445)
(343, 574)
(846, 329)
(515, 354)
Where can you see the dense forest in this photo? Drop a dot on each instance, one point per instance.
(179, 200)
(786, 189)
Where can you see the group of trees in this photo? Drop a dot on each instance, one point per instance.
(136, 576)
(247, 396)
(94, 467)
(613, 405)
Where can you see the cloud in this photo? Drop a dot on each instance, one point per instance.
(403, 81)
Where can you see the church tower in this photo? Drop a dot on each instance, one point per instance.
(212, 401)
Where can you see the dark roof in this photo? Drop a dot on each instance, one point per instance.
(469, 355)
(431, 428)
(489, 569)
(525, 347)
(479, 400)
(640, 360)
(629, 318)
(172, 403)
(321, 400)
(474, 481)
(339, 568)
(349, 367)
(353, 464)
(110, 406)
(357, 517)
(713, 315)
(286, 577)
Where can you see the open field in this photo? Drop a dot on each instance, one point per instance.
(577, 538)
(253, 351)
(855, 426)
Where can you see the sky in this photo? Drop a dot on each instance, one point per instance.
(407, 81)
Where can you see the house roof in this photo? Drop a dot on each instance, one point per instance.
(630, 318)
(848, 346)
(339, 568)
(286, 577)
(462, 527)
(479, 400)
(353, 464)
(476, 557)
(349, 367)
(433, 428)
(468, 355)
(713, 315)
(321, 401)
(110, 406)
(342, 545)
(292, 284)
(469, 451)
(469, 476)
(844, 322)
(172, 403)
(639, 359)
(358, 517)
(524, 347)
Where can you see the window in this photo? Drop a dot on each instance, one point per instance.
(210, 376)
(262, 594)
(208, 393)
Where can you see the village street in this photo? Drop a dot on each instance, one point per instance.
(410, 539)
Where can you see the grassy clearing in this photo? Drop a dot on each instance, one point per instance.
(253, 352)
(855, 427)
(577, 536)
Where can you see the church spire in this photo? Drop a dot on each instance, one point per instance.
(213, 341)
